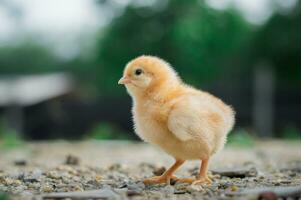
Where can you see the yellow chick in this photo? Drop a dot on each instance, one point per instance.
(187, 123)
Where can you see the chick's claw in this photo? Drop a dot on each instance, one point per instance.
(156, 180)
(163, 179)
(186, 180)
(203, 180)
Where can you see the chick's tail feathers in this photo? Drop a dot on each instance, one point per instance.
(229, 120)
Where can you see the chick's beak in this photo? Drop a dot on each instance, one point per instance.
(124, 80)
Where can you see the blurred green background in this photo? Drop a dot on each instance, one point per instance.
(60, 63)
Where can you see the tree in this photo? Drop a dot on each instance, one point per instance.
(27, 58)
(193, 37)
(278, 42)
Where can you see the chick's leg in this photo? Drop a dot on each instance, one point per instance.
(203, 178)
(166, 176)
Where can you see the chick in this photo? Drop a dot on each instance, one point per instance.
(187, 123)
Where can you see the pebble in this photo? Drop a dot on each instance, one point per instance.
(135, 186)
(8, 181)
(105, 193)
(72, 160)
(98, 178)
(268, 196)
(237, 172)
(115, 167)
(68, 169)
(35, 186)
(53, 175)
(131, 193)
(195, 188)
(47, 188)
(20, 162)
(118, 180)
(159, 171)
(234, 188)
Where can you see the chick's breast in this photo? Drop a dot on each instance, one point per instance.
(150, 121)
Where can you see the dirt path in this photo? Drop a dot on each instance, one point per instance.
(114, 170)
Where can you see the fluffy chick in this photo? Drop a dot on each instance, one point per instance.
(187, 123)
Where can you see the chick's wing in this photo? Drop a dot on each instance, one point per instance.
(186, 121)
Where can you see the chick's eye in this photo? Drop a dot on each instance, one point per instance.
(138, 72)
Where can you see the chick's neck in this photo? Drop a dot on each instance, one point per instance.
(164, 91)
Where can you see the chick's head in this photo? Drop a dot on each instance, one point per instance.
(146, 73)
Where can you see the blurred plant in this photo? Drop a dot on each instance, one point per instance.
(241, 138)
(278, 43)
(3, 196)
(9, 138)
(27, 57)
(291, 133)
(107, 131)
(195, 38)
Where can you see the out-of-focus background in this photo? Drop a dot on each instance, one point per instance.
(60, 62)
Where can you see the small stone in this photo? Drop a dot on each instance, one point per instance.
(286, 181)
(277, 182)
(34, 185)
(237, 173)
(66, 180)
(234, 188)
(195, 188)
(135, 186)
(33, 176)
(20, 162)
(214, 186)
(68, 169)
(267, 196)
(72, 160)
(17, 182)
(131, 193)
(53, 175)
(78, 188)
(19, 189)
(159, 171)
(2, 174)
(76, 178)
(146, 165)
(105, 193)
(168, 189)
(115, 167)
(98, 178)
(30, 180)
(181, 188)
(47, 188)
(8, 181)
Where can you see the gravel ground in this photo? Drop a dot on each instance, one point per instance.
(114, 170)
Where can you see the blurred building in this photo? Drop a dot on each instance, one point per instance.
(17, 93)
(48, 107)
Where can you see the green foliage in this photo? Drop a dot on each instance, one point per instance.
(241, 138)
(9, 139)
(107, 131)
(291, 133)
(25, 58)
(3, 196)
(196, 39)
(278, 43)
(203, 45)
